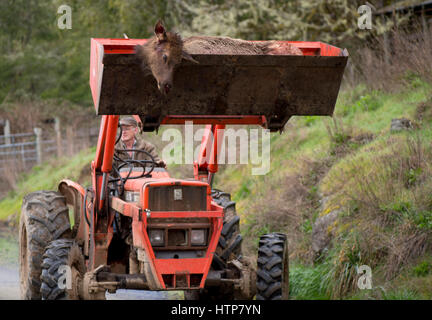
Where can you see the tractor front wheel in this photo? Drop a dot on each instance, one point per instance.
(63, 270)
(273, 269)
(44, 217)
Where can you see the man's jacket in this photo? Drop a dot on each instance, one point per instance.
(139, 144)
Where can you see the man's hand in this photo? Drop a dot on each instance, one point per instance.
(161, 164)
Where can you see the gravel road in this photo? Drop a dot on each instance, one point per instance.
(9, 289)
(9, 277)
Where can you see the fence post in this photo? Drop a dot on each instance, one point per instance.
(58, 137)
(386, 45)
(23, 157)
(423, 19)
(70, 142)
(7, 132)
(38, 133)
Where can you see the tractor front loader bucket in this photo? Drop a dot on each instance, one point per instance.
(235, 89)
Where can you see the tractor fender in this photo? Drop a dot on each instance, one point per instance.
(74, 194)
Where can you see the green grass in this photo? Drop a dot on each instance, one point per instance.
(401, 294)
(424, 268)
(378, 119)
(309, 282)
(46, 177)
(8, 250)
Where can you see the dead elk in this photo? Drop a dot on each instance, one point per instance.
(165, 50)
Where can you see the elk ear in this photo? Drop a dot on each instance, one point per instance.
(188, 57)
(160, 31)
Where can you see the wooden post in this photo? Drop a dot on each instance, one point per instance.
(69, 138)
(386, 48)
(38, 133)
(58, 137)
(7, 132)
(386, 45)
(23, 157)
(423, 19)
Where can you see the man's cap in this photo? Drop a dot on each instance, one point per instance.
(128, 121)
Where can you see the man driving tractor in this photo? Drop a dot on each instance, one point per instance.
(130, 140)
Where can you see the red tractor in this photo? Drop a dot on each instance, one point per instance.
(142, 229)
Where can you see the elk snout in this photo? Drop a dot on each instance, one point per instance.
(164, 87)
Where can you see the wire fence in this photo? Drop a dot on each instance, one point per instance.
(24, 150)
(26, 153)
(19, 152)
(15, 138)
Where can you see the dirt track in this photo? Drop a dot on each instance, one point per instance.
(9, 276)
(9, 283)
(9, 289)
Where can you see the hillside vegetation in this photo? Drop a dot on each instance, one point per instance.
(47, 177)
(377, 182)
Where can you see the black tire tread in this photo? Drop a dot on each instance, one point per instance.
(56, 254)
(229, 245)
(44, 217)
(270, 266)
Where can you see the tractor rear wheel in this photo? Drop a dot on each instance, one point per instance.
(228, 248)
(44, 217)
(273, 268)
(62, 258)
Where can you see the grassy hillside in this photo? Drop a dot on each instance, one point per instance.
(46, 177)
(377, 181)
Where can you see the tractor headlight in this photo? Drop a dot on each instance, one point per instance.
(157, 237)
(198, 237)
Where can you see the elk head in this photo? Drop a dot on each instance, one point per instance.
(161, 54)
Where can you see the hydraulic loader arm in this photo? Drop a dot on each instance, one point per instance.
(207, 164)
(101, 167)
(102, 164)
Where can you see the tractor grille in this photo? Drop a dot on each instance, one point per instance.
(177, 198)
(177, 237)
(182, 281)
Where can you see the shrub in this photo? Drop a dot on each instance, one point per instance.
(402, 60)
(422, 269)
